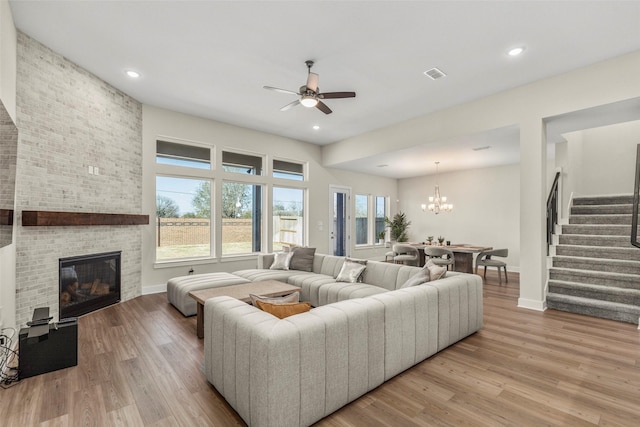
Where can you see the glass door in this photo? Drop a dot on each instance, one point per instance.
(339, 234)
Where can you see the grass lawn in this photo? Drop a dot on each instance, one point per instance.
(196, 251)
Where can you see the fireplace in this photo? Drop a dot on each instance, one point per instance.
(88, 283)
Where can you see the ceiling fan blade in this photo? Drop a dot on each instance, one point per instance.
(290, 92)
(323, 107)
(334, 95)
(290, 105)
(312, 82)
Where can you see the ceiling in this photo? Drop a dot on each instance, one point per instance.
(212, 58)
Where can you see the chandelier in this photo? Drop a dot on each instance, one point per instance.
(437, 203)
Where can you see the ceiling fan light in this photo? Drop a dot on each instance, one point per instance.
(308, 101)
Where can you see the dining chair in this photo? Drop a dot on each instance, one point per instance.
(390, 255)
(485, 260)
(440, 256)
(405, 254)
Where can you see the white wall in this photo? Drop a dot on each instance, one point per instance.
(486, 208)
(8, 58)
(159, 122)
(598, 161)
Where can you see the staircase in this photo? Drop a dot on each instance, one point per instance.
(595, 270)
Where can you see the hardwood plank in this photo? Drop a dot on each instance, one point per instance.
(125, 416)
(88, 408)
(147, 395)
(139, 364)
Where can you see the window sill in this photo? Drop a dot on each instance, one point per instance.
(184, 262)
(374, 246)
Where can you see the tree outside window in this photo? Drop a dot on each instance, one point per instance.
(241, 218)
(183, 224)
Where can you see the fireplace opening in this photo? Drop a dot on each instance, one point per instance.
(88, 283)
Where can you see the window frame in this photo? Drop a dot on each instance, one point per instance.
(303, 175)
(261, 220)
(372, 235)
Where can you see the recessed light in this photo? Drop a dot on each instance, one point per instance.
(133, 74)
(515, 51)
(382, 166)
(486, 147)
(316, 127)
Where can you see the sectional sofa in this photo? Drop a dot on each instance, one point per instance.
(297, 370)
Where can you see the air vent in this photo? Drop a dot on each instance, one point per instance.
(434, 74)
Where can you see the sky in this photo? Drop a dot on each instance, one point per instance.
(182, 191)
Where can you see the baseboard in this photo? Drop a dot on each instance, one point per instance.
(154, 289)
(532, 304)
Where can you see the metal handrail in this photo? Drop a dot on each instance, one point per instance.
(552, 209)
(636, 202)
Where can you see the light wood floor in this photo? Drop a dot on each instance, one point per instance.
(140, 365)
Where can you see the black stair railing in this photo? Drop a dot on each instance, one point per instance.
(636, 201)
(552, 209)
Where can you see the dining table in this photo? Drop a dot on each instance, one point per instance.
(462, 253)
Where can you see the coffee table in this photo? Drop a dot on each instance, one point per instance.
(266, 288)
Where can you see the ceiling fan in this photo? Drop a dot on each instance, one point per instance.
(310, 95)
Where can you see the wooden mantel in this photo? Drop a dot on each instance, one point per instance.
(6, 217)
(47, 218)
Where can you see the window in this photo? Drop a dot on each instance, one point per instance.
(362, 219)
(288, 170)
(183, 218)
(381, 213)
(241, 163)
(288, 217)
(171, 153)
(241, 218)
(370, 214)
(187, 194)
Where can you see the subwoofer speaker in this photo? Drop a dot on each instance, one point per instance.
(56, 350)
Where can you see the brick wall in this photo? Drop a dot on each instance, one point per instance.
(68, 120)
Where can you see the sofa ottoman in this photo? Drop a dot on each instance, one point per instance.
(178, 288)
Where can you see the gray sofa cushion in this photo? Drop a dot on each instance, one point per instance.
(340, 291)
(387, 275)
(178, 288)
(256, 275)
(310, 286)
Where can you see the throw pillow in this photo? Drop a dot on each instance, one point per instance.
(359, 261)
(294, 297)
(281, 260)
(284, 310)
(423, 276)
(302, 259)
(350, 271)
(435, 271)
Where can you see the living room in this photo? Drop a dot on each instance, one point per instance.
(69, 119)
